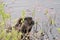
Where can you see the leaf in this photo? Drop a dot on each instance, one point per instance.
(46, 11)
(2, 34)
(8, 35)
(19, 35)
(33, 13)
(58, 29)
(2, 23)
(2, 5)
(5, 16)
(52, 22)
(2, 12)
(14, 34)
(23, 15)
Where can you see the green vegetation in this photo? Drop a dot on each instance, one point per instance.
(13, 35)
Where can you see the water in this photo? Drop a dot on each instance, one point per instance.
(14, 7)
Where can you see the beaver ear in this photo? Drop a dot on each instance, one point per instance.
(19, 22)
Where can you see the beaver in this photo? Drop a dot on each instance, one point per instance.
(25, 26)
